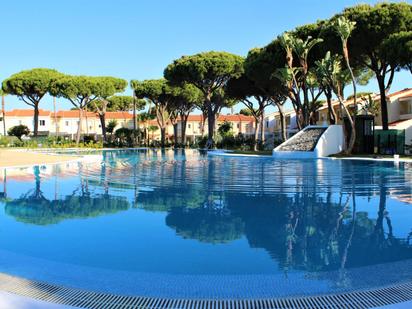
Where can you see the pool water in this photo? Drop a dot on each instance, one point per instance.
(175, 223)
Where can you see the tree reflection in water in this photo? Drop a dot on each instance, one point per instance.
(304, 223)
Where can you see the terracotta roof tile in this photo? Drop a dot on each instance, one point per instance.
(406, 91)
(119, 115)
(224, 118)
(73, 114)
(26, 113)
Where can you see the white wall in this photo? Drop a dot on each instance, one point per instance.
(12, 121)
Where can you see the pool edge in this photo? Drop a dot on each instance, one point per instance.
(366, 298)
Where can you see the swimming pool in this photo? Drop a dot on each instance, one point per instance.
(182, 224)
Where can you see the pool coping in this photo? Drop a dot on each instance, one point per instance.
(365, 298)
(76, 158)
(230, 153)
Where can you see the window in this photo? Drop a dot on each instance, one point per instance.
(267, 123)
(287, 120)
(405, 107)
(67, 123)
(42, 123)
(189, 125)
(237, 126)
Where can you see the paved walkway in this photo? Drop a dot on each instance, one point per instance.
(25, 157)
(12, 301)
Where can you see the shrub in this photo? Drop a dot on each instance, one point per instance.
(19, 131)
(110, 126)
(88, 138)
(201, 142)
(124, 136)
(225, 129)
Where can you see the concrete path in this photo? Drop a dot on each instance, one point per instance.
(12, 301)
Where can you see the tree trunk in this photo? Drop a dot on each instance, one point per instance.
(351, 143)
(331, 111)
(262, 128)
(134, 120)
(176, 140)
(384, 106)
(162, 137)
(352, 120)
(87, 120)
(202, 126)
(183, 123)
(36, 120)
(3, 109)
(282, 124)
(79, 127)
(102, 118)
(211, 126)
(305, 110)
(256, 134)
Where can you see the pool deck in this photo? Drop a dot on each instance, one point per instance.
(23, 157)
(13, 301)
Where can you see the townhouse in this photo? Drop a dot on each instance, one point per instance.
(25, 117)
(65, 123)
(196, 126)
(399, 110)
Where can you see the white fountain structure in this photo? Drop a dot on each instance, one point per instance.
(322, 141)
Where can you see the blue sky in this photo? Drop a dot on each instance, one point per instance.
(137, 39)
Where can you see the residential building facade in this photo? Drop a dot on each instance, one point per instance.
(65, 123)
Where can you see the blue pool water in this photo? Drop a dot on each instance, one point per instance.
(177, 223)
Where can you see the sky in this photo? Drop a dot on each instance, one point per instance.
(138, 39)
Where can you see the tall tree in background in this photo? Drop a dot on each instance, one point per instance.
(330, 71)
(145, 117)
(331, 42)
(221, 99)
(398, 48)
(122, 103)
(344, 28)
(126, 103)
(243, 89)
(209, 72)
(108, 86)
(260, 67)
(31, 86)
(80, 91)
(297, 75)
(185, 100)
(374, 25)
(158, 92)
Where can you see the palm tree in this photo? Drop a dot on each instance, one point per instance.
(344, 28)
(296, 79)
(329, 71)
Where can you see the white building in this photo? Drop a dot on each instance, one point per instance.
(63, 123)
(25, 117)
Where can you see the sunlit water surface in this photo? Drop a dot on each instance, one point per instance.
(177, 223)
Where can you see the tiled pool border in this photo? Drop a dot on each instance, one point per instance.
(368, 298)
